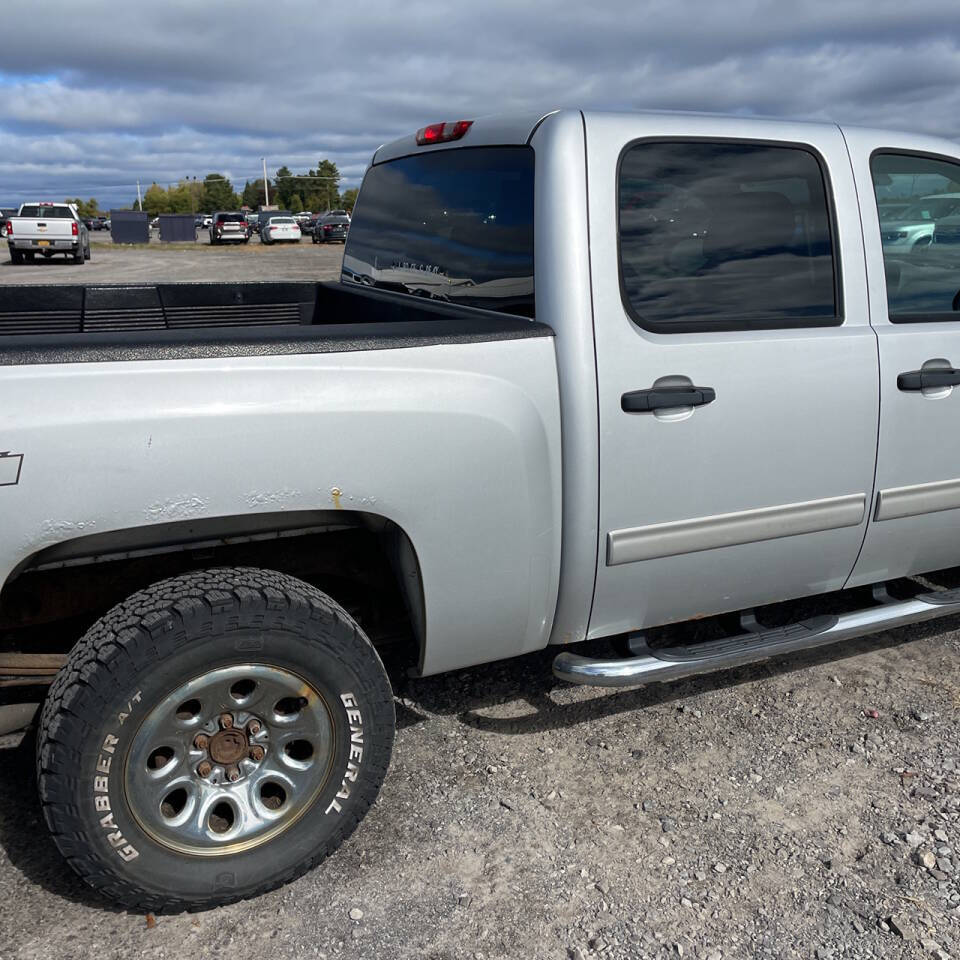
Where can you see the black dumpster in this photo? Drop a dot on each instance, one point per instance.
(129, 226)
(177, 227)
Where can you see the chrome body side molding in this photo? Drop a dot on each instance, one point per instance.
(730, 529)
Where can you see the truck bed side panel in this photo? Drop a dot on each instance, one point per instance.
(459, 444)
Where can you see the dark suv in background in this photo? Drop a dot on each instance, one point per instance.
(331, 227)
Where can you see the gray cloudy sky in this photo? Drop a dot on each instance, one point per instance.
(94, 94)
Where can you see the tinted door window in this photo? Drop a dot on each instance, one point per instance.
(452, 225)
(918, 201)
(725, 236)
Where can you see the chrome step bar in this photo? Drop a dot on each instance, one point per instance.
(674, 663)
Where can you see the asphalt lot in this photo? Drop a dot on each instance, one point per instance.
(807, 808)
(127, 263)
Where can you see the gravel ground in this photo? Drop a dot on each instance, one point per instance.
(110, 263)
(804, 808)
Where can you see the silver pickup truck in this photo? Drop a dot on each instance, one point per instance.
(586, 378)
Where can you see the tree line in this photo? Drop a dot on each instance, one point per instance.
(316, 190)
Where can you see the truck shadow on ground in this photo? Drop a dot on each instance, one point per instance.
(525, 680)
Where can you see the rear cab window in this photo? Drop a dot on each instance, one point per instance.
(40, 212)
(453, 225)
(725, 235)
(918, 203)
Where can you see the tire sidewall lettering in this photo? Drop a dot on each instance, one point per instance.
(104, 776)
(354, 733)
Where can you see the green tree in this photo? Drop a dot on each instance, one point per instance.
(217, 194)
(296, 204)
(327, 183)
(182, 198)
(285, 187)
(155, 200)
(85, 208)
(348, 199)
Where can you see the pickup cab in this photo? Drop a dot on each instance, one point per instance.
(648, 388)
(46, 229)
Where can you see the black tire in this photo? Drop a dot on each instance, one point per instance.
(87, 253)
(16, 257)
(135, 658)
(78, 257)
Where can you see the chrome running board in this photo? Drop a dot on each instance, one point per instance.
(674, 663)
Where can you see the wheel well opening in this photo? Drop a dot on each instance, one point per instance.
(366, 563)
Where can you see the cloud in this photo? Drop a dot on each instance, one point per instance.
(159, 91)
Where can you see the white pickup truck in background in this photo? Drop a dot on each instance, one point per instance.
(45, 229)
(653, 385)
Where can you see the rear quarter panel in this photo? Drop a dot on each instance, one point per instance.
(458, 444)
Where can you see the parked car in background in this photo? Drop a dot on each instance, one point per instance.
(5, 214)
(264, 216)
(47, 229)
(331, 228)
(103, 223)
(912, 229)
(280, 229)
(229, 226)
(253, 222)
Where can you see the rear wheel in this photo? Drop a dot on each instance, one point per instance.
(16, 256)
(212, 738)
(78, 256)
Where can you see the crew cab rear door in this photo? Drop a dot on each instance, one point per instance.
(910, 204)
(736, 368)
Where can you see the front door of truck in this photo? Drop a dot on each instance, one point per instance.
(911, 221)
(736, 368)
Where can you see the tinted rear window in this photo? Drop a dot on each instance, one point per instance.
(452, 225)
(46, 213)
(231, 218)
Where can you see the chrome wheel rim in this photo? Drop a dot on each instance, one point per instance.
(229, 760)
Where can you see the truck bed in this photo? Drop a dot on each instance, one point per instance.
(77, 323)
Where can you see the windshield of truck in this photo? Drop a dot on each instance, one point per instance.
(454, 225)
(40, 212)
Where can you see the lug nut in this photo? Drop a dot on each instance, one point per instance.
(202, 741)
(253, 727)
(204, 769)
(233, 774)
(256, 754)
(226, 721)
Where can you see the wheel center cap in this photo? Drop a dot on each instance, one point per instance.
(228, 746)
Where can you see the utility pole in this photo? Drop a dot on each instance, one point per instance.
(266, 189)
(139, 198)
